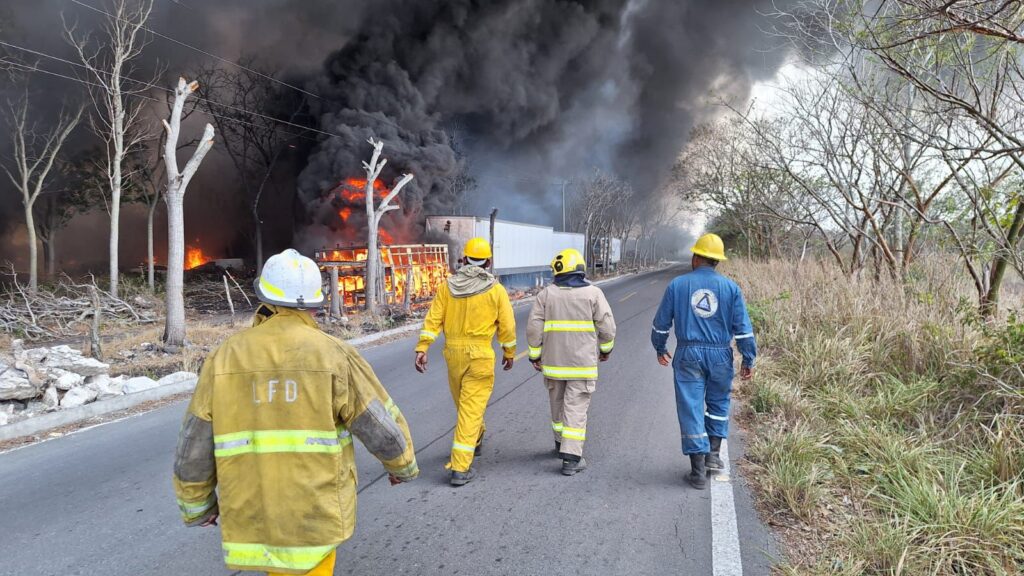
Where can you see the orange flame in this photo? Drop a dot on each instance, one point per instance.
(353, 190)
(194, 257)
(418, 270)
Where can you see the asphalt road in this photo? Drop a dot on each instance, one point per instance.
(100, 502)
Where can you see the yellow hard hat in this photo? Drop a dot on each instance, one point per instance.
(710, 246)
(477, 249)
(568, 260)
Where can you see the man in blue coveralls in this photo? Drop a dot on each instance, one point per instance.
(708, 312)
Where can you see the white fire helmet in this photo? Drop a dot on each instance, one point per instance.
(290, 279)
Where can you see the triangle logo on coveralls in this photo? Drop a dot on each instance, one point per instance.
(704, 304)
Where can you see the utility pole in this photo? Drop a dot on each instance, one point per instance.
(494, 215)
(563, 205)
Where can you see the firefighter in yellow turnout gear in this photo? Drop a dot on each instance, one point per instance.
(569, 330)
(270, 428)
(469, 309)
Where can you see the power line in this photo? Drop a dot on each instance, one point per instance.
(201, 51)
(236, 64)
(151, 99)
(168, 90)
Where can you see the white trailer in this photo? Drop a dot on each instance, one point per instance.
(611, 246)
(522, 252)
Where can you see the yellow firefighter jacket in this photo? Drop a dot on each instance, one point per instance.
(565, 330)
(270, 426)
(469, 316)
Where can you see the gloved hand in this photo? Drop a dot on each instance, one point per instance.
(537, 365)
(665, 359)
(506, 363)
(421, 362)
(746, 372)
(604, 356)
(210, 521)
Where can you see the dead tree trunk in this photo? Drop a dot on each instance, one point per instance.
(177, 183)
(374, 280)
(335, 303)
(150, 264)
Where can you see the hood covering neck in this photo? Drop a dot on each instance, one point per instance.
(470, 281)
(571, 280)
(266, 311)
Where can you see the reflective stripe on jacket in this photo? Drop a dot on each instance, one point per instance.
(270, 427)
(471, 319)
(566, 329)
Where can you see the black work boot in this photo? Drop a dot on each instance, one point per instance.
(462, 478)
(713, 461)
(573, 467)
(698, 473)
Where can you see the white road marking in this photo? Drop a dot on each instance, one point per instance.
(628, 296)
(725, 538)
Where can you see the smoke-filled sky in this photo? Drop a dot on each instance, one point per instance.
(521, 94)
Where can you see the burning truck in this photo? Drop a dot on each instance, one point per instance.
(411, 272)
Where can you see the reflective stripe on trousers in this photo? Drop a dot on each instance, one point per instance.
(471, 381)
(703, 381)
(570, 401)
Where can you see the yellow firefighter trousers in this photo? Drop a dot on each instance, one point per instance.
(471, 379)
(325, 568)
(570, 400)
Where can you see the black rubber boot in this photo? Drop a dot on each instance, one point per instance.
(462, 478)
(713, 461)
(698, 476)
(571, 467)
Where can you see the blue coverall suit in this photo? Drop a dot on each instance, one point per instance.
(708, 312)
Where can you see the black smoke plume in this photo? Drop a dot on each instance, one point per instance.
(516, 95)
(535, 91)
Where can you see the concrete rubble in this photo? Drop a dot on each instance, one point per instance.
(47, 379)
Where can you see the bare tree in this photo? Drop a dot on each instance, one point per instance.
(374, 278)
(33, 155)
(54, 211)
(245, 105)
(174, 196)
(109, 62)
(147, 188)
(961, 61)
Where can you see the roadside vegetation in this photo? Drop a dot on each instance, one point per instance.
(886, 420)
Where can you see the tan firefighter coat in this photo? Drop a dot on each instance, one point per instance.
(270, 426)
(565, 330)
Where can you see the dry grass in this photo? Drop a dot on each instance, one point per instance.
(887, 422)
(129, 354)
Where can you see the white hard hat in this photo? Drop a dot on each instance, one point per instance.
(292, 280)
